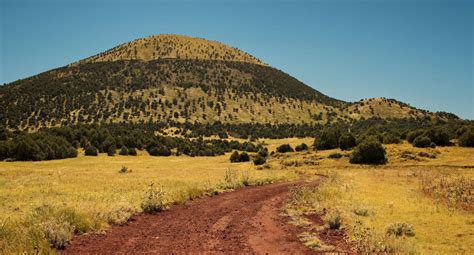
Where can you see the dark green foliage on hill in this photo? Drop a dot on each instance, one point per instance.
(35, 147)
(301, 147)
(329, 139)
(158, 150)
(438, 135)
(335, 155)
(466, 139)
(259, 160)
(369, 151)
(55, 94)
(132, 152)
(284, 148)
(347, 141)
(237, 157)
(244, 157)
(123, 151)
(390, 139)
(422, 141)
(263, 152)
(90, 151)
(111, 151)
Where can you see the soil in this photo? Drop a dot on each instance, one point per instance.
(245, 221)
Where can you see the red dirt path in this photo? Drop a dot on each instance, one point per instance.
(246, 221)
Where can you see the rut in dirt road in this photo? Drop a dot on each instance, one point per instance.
(247, 220)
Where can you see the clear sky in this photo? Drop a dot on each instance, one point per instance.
(419, 51)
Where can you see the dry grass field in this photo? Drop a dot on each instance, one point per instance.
(431, 192)
(100, 195)
(432, 195)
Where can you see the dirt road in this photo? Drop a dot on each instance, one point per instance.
(246, 221)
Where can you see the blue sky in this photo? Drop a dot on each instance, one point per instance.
(419, 52)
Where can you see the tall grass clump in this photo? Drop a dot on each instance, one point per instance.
(154, 200)
(455, 192)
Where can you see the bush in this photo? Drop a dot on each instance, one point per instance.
(263, 152)
(90, 151)
(301, 147)
(4, 150)
(132, 152)
(412, 135)
(369, 151)
(335, 155)
(28, 149)
(439, 136)
(467, 138)
(111, 151)
(244, 157)
(123, 151)
(57, 232)
(334, 220)
(259, 160)
(347, 141)
(125, 170)
(422, 142)
(284, 148)
(235, 157)
(399, 230)
(154, 200)
(159, 151)
(390, 139)
(329, 139)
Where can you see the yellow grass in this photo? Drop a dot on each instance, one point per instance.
(93, 186)
(392, 193)
(95, 189)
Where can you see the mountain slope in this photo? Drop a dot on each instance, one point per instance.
(172, 47)
(177, 78)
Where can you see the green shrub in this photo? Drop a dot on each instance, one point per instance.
(439, 136)
(412, 135)
(132, 152)
(335, 155)
(284, 148)
(334, 220)
(159, 151)
(154, 200)
(235, 157)
(301, 147)
(263, 152)
(111, 151)
(123, 151)
(467, 138)
(329, 139)
(125, 170)
(400, 229)
(422, 141)
(259, 160)
(347, 141)
(91, 151)
(244, 157)
(369, 151)
(390, 139)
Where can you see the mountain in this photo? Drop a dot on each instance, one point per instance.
(166, 78)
